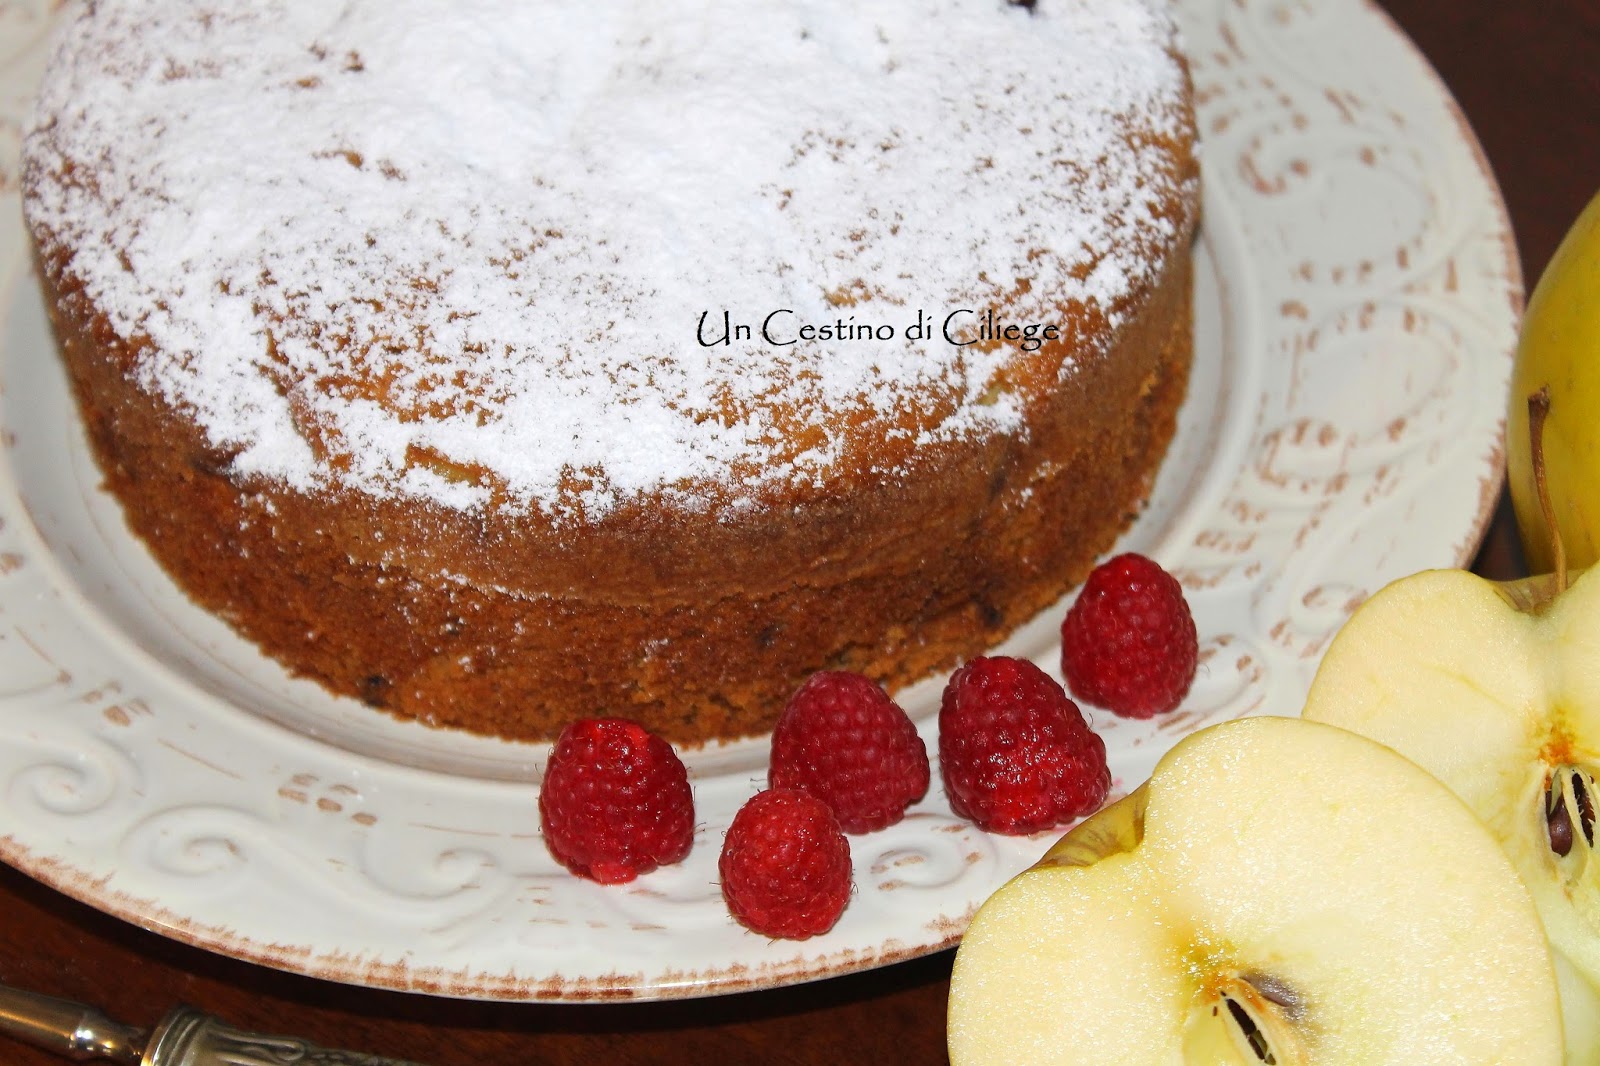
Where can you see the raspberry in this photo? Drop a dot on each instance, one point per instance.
(1014, 751)
(1128, 644)
(615, 802)
(842, 739)
(785, 865)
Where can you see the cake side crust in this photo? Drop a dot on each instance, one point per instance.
(710, 662)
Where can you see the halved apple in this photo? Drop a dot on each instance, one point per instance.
(1495, 689)
(1278, 892)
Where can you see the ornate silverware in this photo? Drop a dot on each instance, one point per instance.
(185, 1037)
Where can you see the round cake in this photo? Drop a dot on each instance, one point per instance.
(504, 363)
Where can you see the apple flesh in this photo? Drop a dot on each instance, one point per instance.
(1558, 348)
(1495, 689)
(1278, 892)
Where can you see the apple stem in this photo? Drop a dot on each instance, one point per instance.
(1538, 411)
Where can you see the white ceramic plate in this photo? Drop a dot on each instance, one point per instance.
(1357, 304)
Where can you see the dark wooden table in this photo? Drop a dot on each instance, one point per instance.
(1527, 78)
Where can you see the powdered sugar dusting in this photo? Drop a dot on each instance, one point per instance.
(471, 251)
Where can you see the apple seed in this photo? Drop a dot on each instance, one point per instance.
(1276, 991)
(1559, 823)
(1570, 789)
(1252, 1032)
(1246, 1021)
(1585, 807)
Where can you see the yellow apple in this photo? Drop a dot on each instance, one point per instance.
(1495, 689)
(1559, 349)
(1280, 892)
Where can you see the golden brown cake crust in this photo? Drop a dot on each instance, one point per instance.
(959, 559)
(914, 546)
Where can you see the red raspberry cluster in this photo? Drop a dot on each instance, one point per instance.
(1015, 753)
(845, 759)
